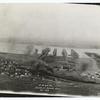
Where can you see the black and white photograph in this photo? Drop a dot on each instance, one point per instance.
(50, 49)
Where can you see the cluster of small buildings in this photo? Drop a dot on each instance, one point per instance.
(92, 77)
(10, 68)
(46, 86)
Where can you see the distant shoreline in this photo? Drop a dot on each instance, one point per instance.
(53, 43)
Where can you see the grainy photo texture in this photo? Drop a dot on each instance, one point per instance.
(51, 49)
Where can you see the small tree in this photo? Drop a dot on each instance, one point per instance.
(44, 53)
(74, 54)
(41, 68)
(55, 52)
(64, 53)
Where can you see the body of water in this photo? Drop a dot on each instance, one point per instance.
(19, 48)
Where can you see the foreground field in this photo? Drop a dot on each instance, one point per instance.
(65, 87)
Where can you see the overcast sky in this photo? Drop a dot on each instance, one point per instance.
(66, 23)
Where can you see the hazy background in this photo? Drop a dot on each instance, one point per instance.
(71, 25)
